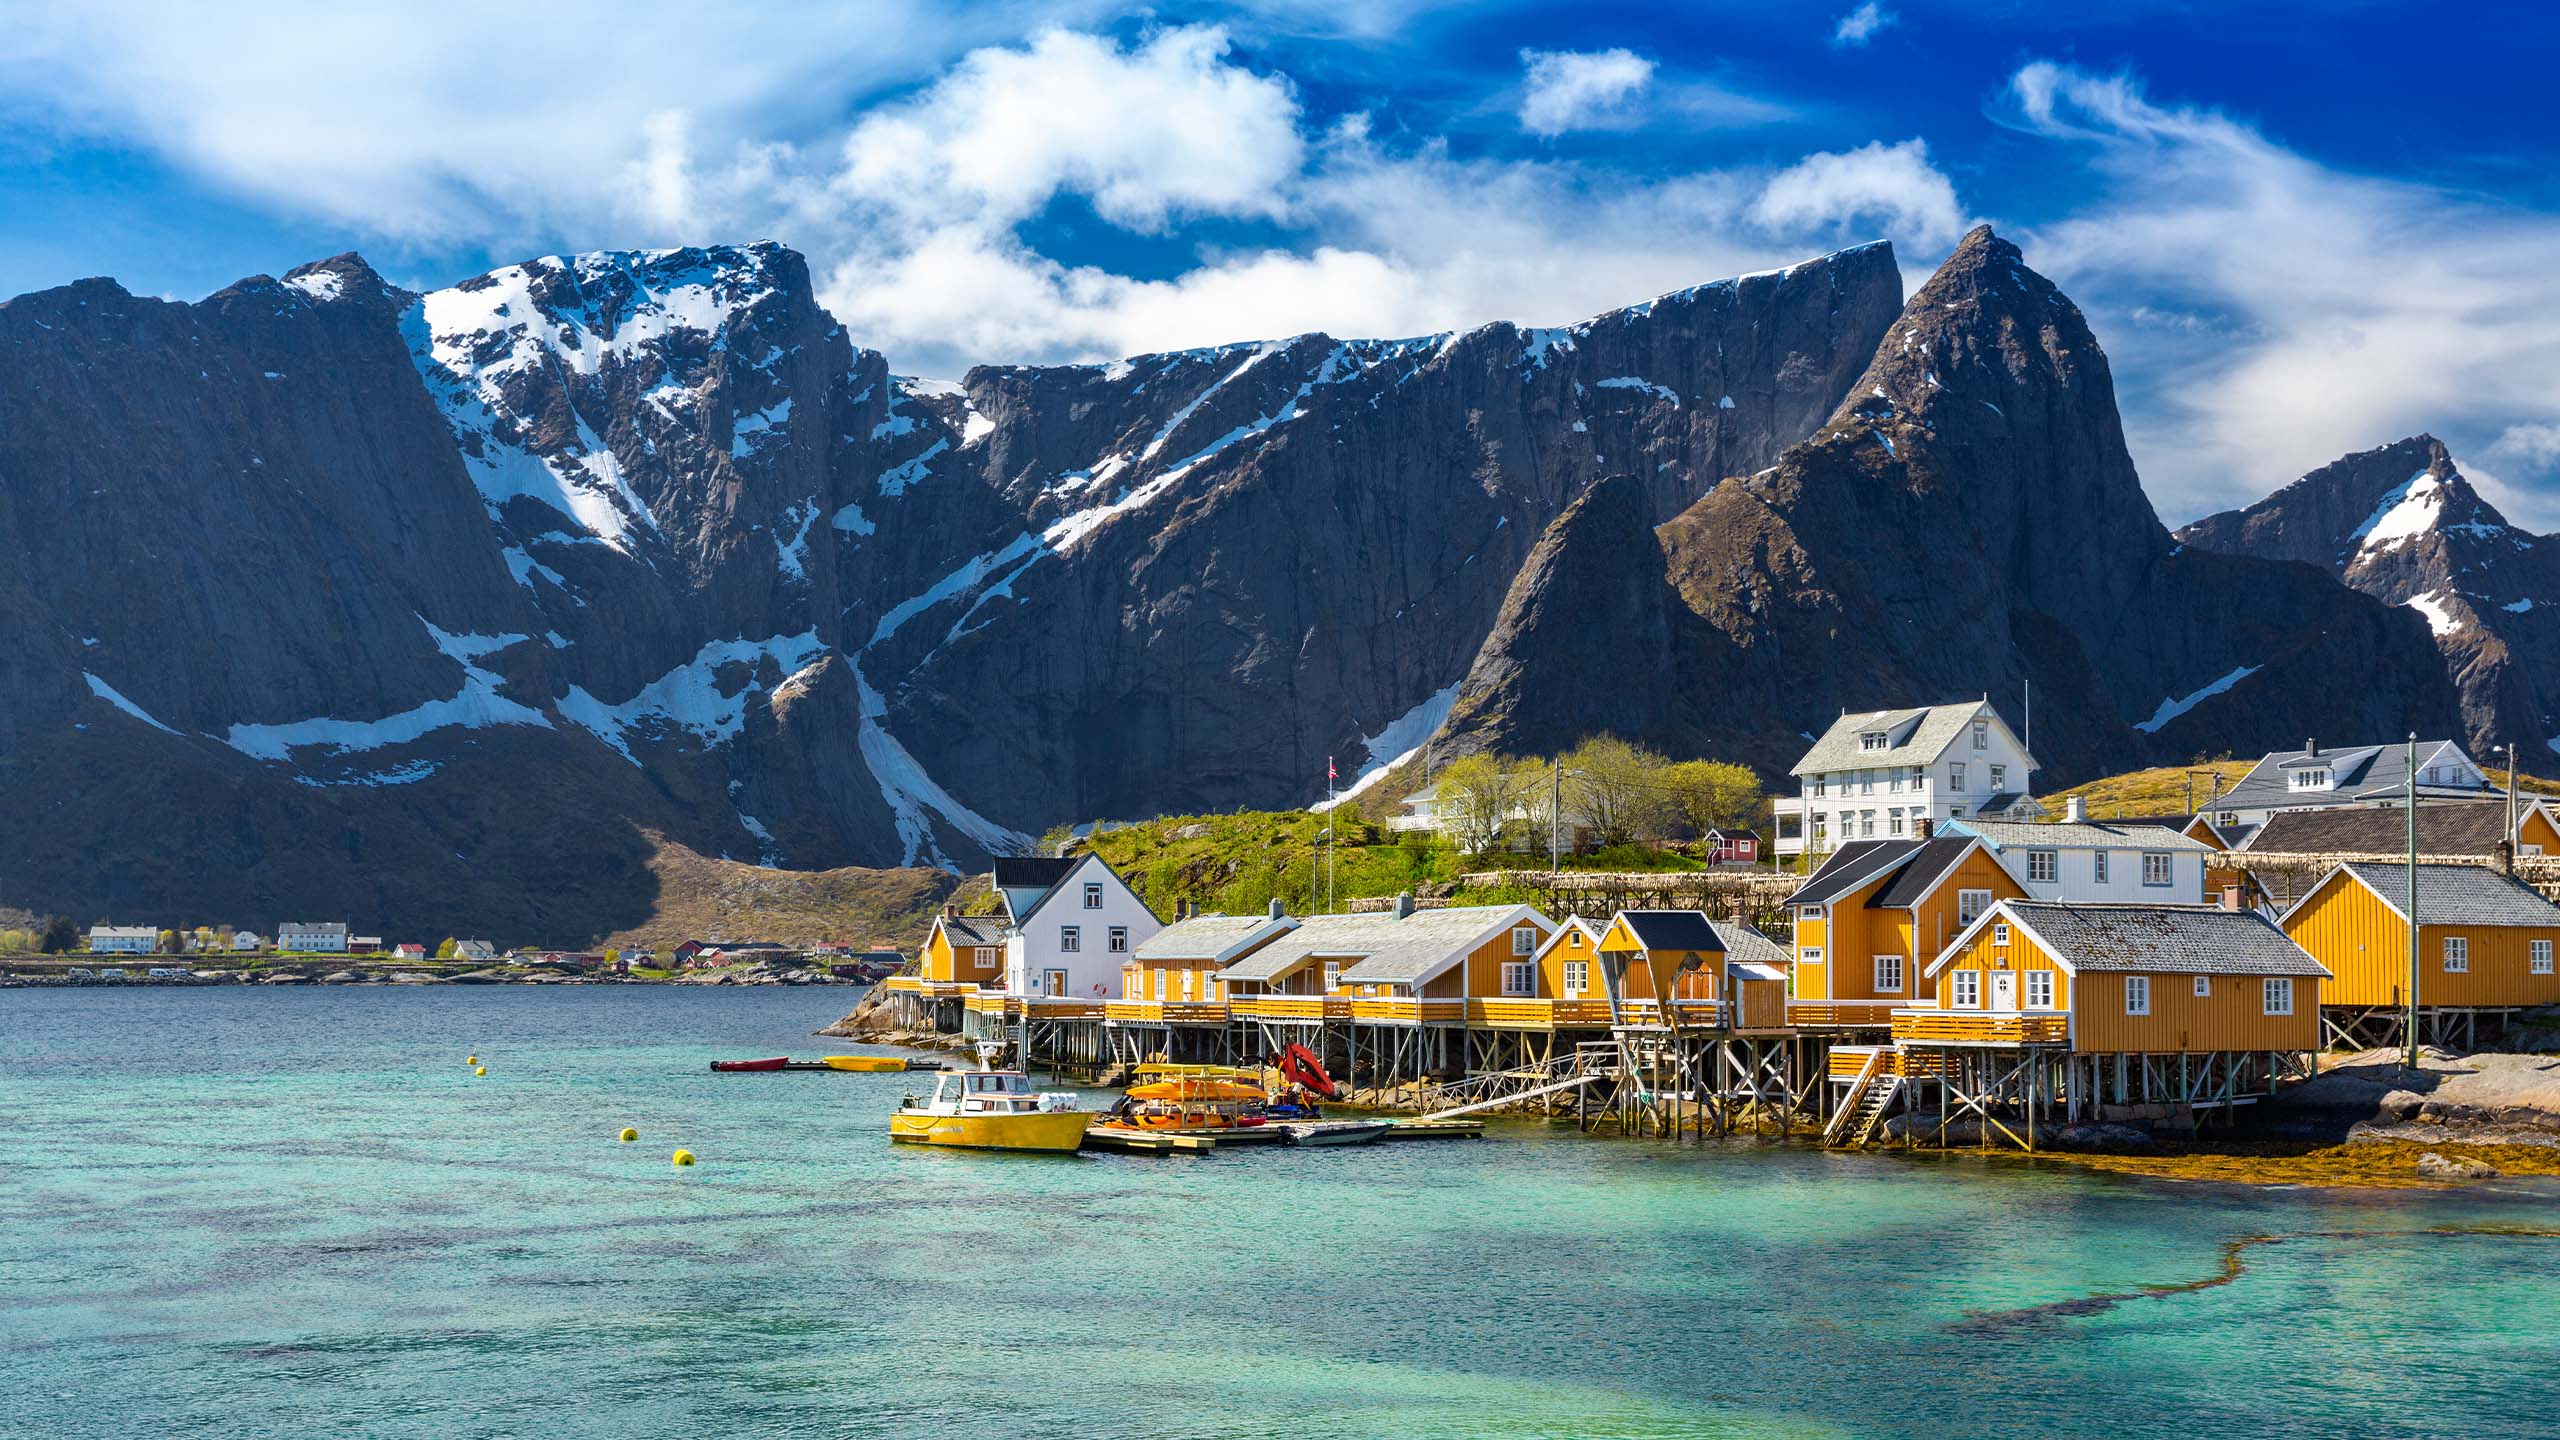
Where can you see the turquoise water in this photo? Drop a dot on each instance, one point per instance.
(262, 1213)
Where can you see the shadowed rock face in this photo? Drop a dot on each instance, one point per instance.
(2402, 524)
(347, 596)
(1969, 522)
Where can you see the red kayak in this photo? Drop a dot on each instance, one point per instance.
(776, 1063)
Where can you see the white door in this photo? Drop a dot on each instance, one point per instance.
(2004, 991)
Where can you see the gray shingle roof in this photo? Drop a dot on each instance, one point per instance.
(1746, 943)
(975, 929)
(2186, 939)
(1916, 737)
(1341, 937)
(2357, 770)
(1424, 943)
(2458, 895)
(2074, 835)
(2461, 827)
(1205, 937)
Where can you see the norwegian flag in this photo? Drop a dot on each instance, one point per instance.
(1330, 774)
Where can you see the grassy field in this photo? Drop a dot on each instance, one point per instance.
(701, 896)
(2165, 790)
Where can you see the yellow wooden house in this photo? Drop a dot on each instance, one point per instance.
(1874, 914)
(1718, 974)
(1176, 973)
(963, 951)
(2485, 944)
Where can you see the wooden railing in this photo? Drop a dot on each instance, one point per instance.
(918, 985)
(1291, 1007)
(1166, 1012)
(1966, 1027)
(1846, 1061)
(1834, 1014)
(1406, 1009)
(1521, 1012)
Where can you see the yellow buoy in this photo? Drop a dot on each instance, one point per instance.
(629, 1134)
(681, 1157)
(479, 1069)
(470, 1059)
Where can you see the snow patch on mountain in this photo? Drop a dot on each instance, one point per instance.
(1396, 742)
(915, 801)
(689, 700)
(2432, 605)
(2403, 514)
(1633, 382)
(476, 705)
(112, 696)
(2177, 705)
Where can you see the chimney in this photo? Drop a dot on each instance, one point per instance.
(1404, 903)
(1922, 827)
(2311, 749)
(950, 909)
(1276, 912)
(2230, 897)
(2502, 857)
(2075, 810)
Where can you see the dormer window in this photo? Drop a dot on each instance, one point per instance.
(1874, 740)
(2311, 779)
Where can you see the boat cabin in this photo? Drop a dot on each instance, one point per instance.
(984, 1092)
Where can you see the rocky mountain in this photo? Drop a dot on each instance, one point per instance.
(1967, 521)
(2402, 524)
(455, 609)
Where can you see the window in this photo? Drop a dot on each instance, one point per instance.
(1577, 978)
(1955, 777)
(2000, 933)
(1866, 824)
(2541, 957)
(1999, 776)
(1515, 977)
(1873, 740)
(2279, 997)
(1160, 986)
(986, 957)
(1981, 734)
(1821, 826)
(2310, 779)
(2042, 866)
(1969, 906)
(1070, 940)
(1093, 897)
(2137, 994)
(1889, 973)
(1968, 990)
(1809, 912)
(1332, 976)
(1866, 782)
(1208, 986)
(2039, 989)
(2227, 817)
(2457, 954)
(1821, 786)
(1893, 821)
(2155, 868)
(1810, 955)
(1524, 940)
(2098, 867)
(1119, 940)
(2204, 987)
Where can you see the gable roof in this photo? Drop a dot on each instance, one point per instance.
(1426, 942)
(1747, 945)
(2456, 827)
(1214, 938)
(2185, 939)
(1572, 924)
(2447, 894)
(2001, 835)
(1022, 912)
(971, 930)
(1670, 929)
(1341, 937)
(1849, 867)
(2356, 772)
(1913, 737)
(1936, 858)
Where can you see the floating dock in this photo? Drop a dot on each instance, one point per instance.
(1130, 1140)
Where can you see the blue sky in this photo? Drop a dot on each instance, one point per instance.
(2304, 230)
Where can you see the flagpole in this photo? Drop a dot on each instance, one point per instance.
(1333, 836)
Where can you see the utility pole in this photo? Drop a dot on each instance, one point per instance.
(2409, 792)
(2511, 795)
(1555, 819)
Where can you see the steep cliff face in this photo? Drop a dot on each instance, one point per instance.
(1969, 522)
(438, 603)
(2401, 523)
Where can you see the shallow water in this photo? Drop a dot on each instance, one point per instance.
(296, 1212)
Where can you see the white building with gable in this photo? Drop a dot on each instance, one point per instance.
(1071, 924)
(1876, 775)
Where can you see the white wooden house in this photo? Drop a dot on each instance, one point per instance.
(1877, 775)
(1071, 924)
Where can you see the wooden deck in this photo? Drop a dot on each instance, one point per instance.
(1971, 1027)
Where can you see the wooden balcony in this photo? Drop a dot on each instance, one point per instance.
(1980, 1027)
(1165, 1012)
(930, 989)
(1842, 1014)
(1526, 1012)
(1407, 1010)
(1291, 1007)
(1045, 1007)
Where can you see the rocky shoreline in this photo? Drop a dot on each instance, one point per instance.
(340, 971)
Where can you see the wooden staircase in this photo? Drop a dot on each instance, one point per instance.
(1863, 1109)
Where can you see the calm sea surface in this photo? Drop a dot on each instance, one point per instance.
(295, 1212)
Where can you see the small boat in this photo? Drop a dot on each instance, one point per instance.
(1337, 1132)
(990, 1109)
(776, 1063)
(867, 1064)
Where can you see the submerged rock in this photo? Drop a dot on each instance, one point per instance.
(2101, 1139)
(2436, 1167)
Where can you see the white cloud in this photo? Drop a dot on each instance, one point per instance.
(1892, 183)
(1860, 25)
(2312, 311)
(1580, 90)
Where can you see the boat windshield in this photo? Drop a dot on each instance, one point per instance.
(1000, 1084)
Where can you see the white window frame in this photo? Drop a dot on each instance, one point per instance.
(2039, 990)
(2204, 987)
(1889, 974)
(1893, 821)
(1999, 934)
(1577, 978)
(1517, 978)
(1981, 734)
(1332, 976)
(2457, 954)
(2137, 994)
(1971, 905)
(1967, 991)
(1809, 955)
(1524, 939)
(1873, 740)
(2540, 961)
(1160, 985)
(1999, 777)
(1070, 940)
(988, 957)
(1955, 776)
(2044, 867)
(2276, 996)
(2161, 863)
(1093, 894)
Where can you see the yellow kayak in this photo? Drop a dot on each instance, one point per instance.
(867, 1064)
(1199, 1090)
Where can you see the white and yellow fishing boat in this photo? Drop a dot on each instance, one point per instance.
(990, 1109)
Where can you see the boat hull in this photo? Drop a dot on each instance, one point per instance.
(1052, 1131)
(1337, 1132)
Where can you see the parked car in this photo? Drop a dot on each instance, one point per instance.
(163, 972)
(111, 973)
(76, 973)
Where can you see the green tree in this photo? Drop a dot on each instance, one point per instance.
(167, 943)
(59, 935)
(1619, 791)
(1479, 796)
(1714, 794)
(445, 949)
